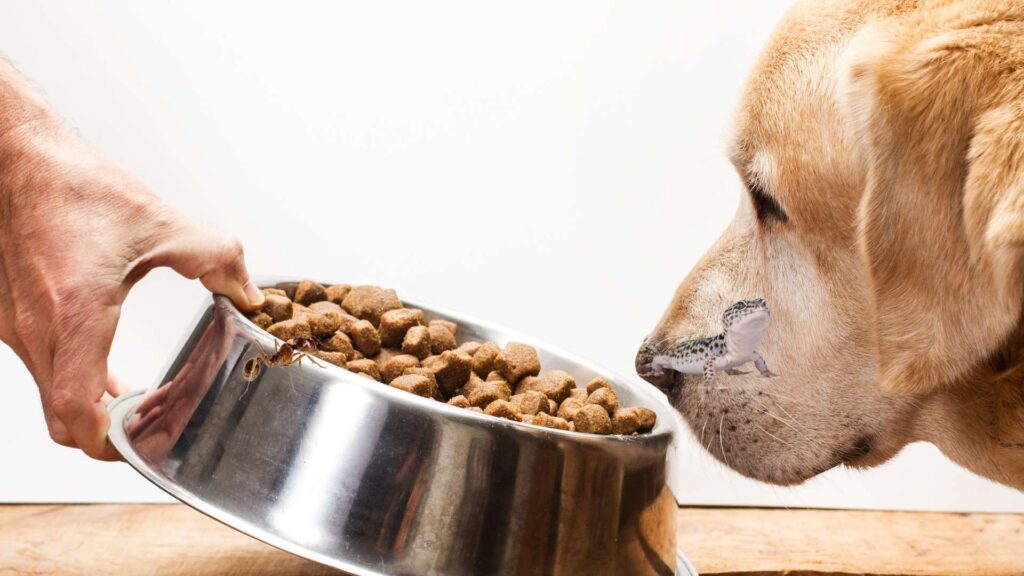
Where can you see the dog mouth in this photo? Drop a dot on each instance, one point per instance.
(668, 381)
(857, 453)
(665, 380)
(749, 444)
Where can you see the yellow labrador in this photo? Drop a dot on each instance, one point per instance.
(881, 144)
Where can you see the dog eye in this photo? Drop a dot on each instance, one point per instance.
(766, 207)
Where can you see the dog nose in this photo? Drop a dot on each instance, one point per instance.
(663, 379)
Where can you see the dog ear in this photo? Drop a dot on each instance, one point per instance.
(938, 110)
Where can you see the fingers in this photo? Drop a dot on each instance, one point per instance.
(83, 424)
(80, 379)
(218, 261)
(58, 431)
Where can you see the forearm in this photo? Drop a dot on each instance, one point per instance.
(20, 102)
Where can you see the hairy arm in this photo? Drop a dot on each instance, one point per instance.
(76, 232)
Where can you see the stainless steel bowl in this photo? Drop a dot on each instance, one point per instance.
(351, 473)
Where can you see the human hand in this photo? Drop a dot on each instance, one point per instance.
(76, 233)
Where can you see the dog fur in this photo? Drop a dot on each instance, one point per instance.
(882, 147)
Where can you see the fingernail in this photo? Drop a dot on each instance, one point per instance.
(253, 294)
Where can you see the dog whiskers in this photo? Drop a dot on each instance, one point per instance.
(786, 412)
(773, 436)
(703, 426)
(779, 418)
(707, 447)
(721, 444)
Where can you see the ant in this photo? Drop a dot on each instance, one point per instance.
(291, 352)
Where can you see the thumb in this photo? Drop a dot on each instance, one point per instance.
(217, 260)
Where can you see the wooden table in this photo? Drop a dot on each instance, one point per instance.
(173, 540)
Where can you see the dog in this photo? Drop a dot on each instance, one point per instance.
(881, 146)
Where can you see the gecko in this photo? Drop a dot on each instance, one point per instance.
(743, 324)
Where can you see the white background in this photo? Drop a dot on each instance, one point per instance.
(556, 167)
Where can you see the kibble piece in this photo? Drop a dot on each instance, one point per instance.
(384, 355)
(517, 361)
(336, 358)
(569, 408)
(488, 392)
(527, 384)
(289, 329)
(336, 293)
(469, 347)
(459, 401)
(475, 409)
(338, 342)
(552, 407)
(309, 291)
(365, 338)
(417, 342)
(494, 375)
(300, 312)
(275, 292)
(396, 366)
(503, 409)
(416, 384)
(531, 402)
(370, 302)
(395, 323)
(447, 324)
(261, 319)
(324, 305)
(348, 322)
(441, 338)
(452, 370)
(647, 418)
(592, 419)
(605, 398)
(549, 421)
(555, 384)
(471, 384)
(325, 323)
(427, 372)
(597, 383)
(356, 355)
(278, 307)
(289, 289)
(625, 421)
(365, 367)
(484, 358)
(579, 393)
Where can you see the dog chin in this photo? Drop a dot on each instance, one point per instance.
(755, 455)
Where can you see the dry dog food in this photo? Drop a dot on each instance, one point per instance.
(365, 329)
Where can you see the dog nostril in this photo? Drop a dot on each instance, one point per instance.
(644, 356)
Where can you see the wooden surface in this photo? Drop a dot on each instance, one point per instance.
(174, 540)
